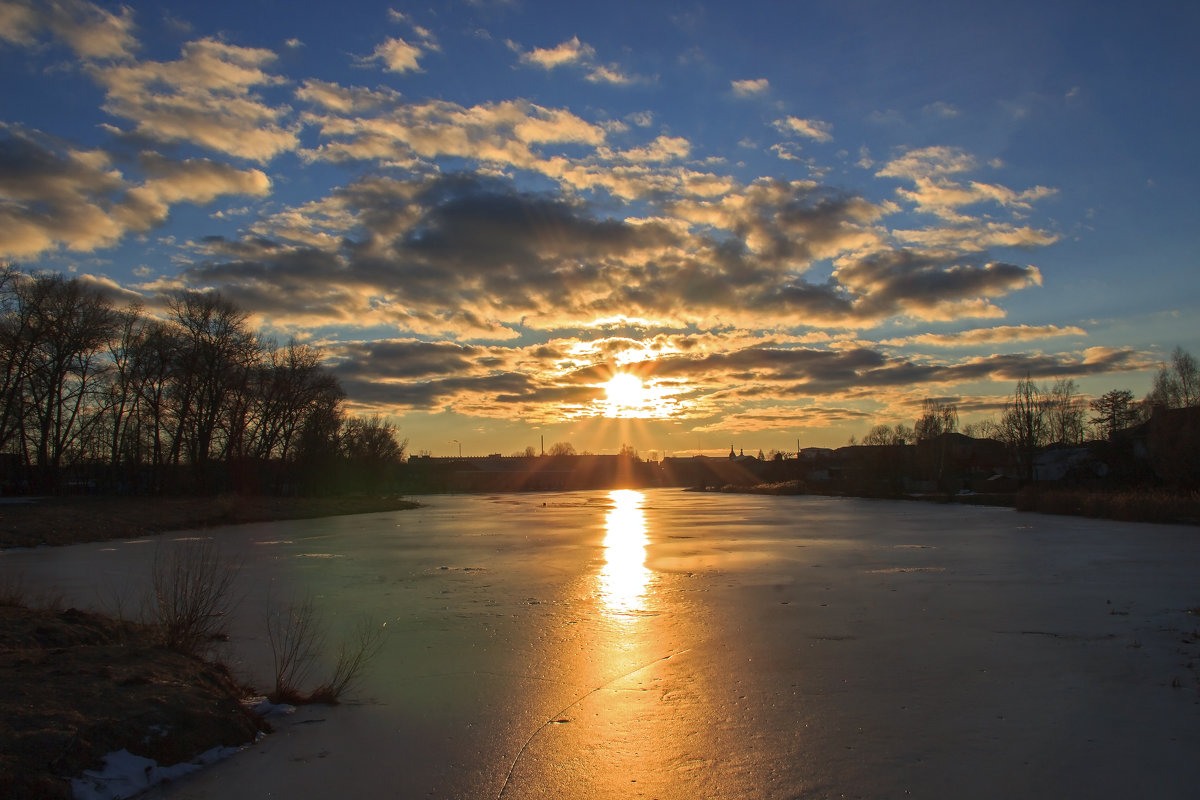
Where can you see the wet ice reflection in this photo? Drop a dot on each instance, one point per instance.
(624, 577)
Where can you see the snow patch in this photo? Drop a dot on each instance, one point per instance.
(125, 775)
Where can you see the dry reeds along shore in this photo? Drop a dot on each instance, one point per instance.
(1144, 505)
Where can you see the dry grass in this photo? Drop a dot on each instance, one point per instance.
(1148, 505)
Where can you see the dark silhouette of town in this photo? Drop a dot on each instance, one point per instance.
(1160, 452)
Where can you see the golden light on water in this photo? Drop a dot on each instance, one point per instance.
(624, 577)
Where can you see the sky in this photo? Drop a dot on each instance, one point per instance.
(775, 224)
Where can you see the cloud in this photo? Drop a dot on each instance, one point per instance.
(1004, 334)
(754, 387)
(205, 98)
(505, 133)
(611, 73)
(975, 236)
(193, 181)
(574, 53)
(397, 55)
(663, 148)
(92, 32)
(935, 192)
(927, 162)
(750, 87)
(344, 100)
(571, 51)
(813, 129)
(930, 287)
(56, 196)
(941, 109)
(415, 254)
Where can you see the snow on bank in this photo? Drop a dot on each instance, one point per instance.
(127, 775)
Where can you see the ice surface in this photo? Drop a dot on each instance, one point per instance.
(729, 646)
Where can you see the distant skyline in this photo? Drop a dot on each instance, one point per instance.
(770, 222)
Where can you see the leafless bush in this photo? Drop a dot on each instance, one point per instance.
(15, 593)
(354, 653)
(192, 596)
(295, 637)
(12, 592)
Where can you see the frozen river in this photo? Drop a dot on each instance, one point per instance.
(666, 644)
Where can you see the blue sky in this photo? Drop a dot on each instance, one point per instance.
(790, 221)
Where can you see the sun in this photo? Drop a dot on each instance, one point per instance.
(625, 391)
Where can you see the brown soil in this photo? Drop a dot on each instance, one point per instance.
(70, 520)
(75, 686)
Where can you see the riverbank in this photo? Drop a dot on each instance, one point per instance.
(1134, 505)
(78, 519)
(77, 686)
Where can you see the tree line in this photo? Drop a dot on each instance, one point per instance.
(1037, 416)
(93, 395)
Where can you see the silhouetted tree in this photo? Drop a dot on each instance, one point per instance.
(561, 449)
(937, 417)
(66, 328)
(889, 435)
(1024, 425)
(216, 354)
(1066, 413)
(372, 452)
(1177, 385)
(1115, 411)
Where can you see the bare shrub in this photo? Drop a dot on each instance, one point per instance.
(192, 594)
(15, 593)
(354, 653)
(295, 637)
(12, 592)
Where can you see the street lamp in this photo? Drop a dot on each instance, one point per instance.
(457, 442)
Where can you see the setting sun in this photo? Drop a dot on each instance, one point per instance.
(625, 391)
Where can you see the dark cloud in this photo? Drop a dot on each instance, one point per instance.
(476, 256)
(395, 360)
(904, 280)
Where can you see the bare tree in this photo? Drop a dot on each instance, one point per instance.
(288, 383)
(937, 417)
(561, 449)
(66, 327)
(885, 434)
(1177, 385)
(1024, 425)
(878, 436)
(217, 353)
(1066, 412)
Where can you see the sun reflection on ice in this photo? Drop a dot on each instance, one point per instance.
(624, 577)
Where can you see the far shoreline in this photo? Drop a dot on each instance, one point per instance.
(77, 519)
